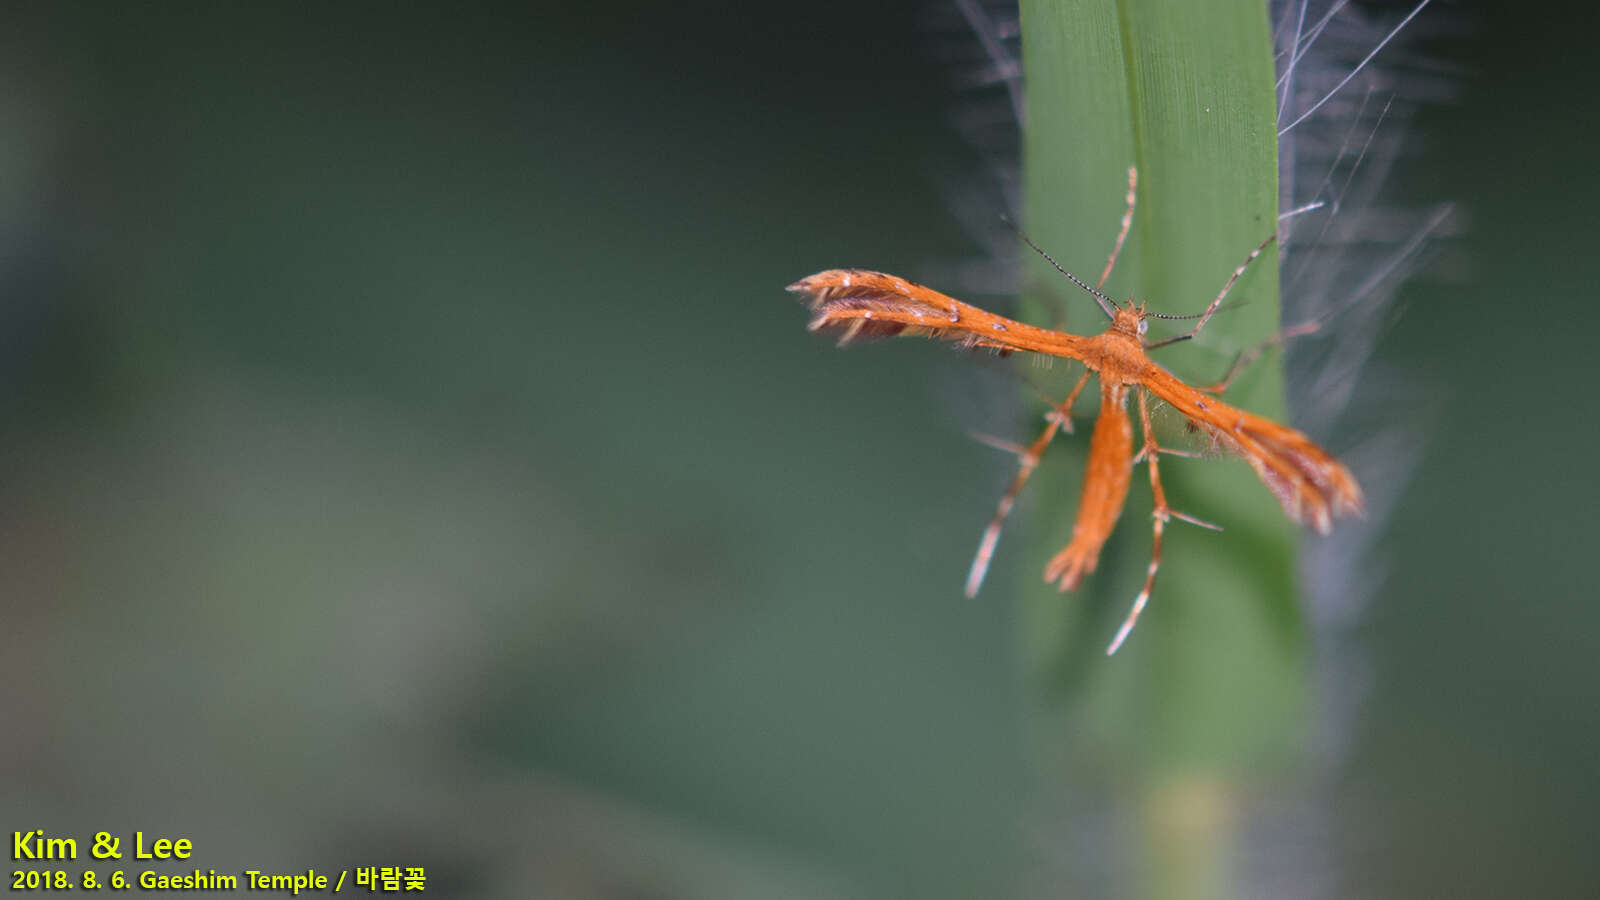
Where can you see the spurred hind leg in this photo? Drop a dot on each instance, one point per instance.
(1028, 459)
(1158, 518)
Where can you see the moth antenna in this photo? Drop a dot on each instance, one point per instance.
(1107, 305)
(1171, 317)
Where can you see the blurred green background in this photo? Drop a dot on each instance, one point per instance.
(410, 457)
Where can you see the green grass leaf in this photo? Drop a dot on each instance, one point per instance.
(1212, 683)
(1212, 680)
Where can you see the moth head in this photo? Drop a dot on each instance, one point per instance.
(1129, 320)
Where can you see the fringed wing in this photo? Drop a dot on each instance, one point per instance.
(1311, 486)
(858, 304)
(861, 305)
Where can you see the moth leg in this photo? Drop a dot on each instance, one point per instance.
(1212, 309)
(1127, 222)
(1028, 460)
(1250, 355)
(1158, 517)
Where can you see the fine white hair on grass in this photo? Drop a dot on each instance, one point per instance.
(1005, 66)
(980, 42)
(1296, 55)
(1349, 88)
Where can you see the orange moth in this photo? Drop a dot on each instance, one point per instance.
(1310, 485)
